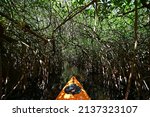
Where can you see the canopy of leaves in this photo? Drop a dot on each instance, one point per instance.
(106, 43)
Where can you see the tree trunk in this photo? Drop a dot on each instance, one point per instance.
(133, 62)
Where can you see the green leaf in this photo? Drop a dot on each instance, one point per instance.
(81, 1)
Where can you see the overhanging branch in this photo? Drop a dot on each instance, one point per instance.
(70, 16)
(25, 27)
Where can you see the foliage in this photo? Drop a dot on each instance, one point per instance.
(44, 42)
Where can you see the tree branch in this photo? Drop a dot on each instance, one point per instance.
(97, 36)
(71, 16)
(133, 64)
(133, 10)
(25, 27)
